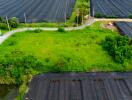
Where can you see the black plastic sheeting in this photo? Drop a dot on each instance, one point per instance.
(81, 86)
(37, 10)
(125, 28)
(111, 8)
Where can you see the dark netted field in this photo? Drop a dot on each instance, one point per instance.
(111, 8)
(125, 28)
(81, 86)
(37, 10)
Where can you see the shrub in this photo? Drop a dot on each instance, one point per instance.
(13, 22)
(61, 29)
(11, 43)
(3, 26)
(118, 47)
(2, 71)
(111, 16)
(130, 16)
(1, 33)
(17, 67)
(78, 19)
(37, 30)
(98, 15)
(1, 19)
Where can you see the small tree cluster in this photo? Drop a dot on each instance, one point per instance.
(130, 16)
(119, 48)
(13, 22)
(78, 19)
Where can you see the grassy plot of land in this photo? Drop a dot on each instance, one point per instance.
(79, 50)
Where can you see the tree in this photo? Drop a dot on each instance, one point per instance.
(13, 22)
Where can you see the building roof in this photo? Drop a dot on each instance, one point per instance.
(81, 86)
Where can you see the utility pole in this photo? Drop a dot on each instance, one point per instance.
(65, 11)
(8, 23)
(82, 17)
(82, 12)
(77, 17)
(93, 12)
(25, 19)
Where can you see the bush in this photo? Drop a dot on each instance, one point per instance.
(17, 67)
(3, 26)
(130, 16)
(61, 29)
(110, 16)
(1, 19)
(11, 43)
(98, 15)
(78, 19)
(37, 30)
(13, 22)
(119, 48)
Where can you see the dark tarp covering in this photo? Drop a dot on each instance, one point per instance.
(111, 8)
(81, 86)
(125, 28)
(37, 10)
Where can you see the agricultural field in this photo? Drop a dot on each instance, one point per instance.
(37, 10)
(111, 8)
(125, 28)
(95, 48)
(71, 51)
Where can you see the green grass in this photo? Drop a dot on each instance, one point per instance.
(42, 24)
(46, 24)
(79, 50)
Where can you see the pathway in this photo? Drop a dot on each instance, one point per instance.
(8, 34)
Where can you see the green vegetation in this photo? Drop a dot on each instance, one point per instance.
(42, 24)
(3, 28)
(78, 19)
(130, 16)
(94, 48)
(119, 48)
(61, 29)
(33, 52)
(81, 9)
(13, 23)
(98, 15)
(79, 50)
